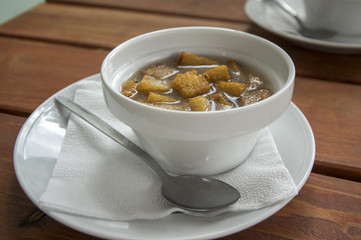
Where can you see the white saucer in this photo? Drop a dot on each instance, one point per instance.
(38, 145)
(271, 18)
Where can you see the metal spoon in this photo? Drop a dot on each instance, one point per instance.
(191, 192)
(317, 33)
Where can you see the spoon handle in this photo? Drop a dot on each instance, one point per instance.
(108, 130)
(288, 9)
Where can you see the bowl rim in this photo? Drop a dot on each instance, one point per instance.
(288, 84)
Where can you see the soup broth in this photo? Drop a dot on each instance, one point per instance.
(197, 83)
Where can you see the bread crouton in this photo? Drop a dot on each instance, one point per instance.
(254, 96)
(150, 84)
(199, 103)
(129, 88)
(234, 89)
(187, 59)
(234, 66)
(190, 84)
(237, 71)
(255, 82)
(220, 98)
(216, 74)
(154, 97)
(159, 71)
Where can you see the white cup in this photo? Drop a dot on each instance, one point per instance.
(202, 143)
(341, 16)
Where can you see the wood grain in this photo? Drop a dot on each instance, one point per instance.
(212, 9)
(326, 208)
(92, 27)
(33, 71)
(317, 64)
(100, 28)
(313, 64)
(334, 112)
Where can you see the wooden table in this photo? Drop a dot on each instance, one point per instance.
(62, 41)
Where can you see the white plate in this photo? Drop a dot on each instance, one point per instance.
(38, 145)
(271, 18)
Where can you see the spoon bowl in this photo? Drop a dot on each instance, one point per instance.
(198, 193)
(191, 192)
(316, 33)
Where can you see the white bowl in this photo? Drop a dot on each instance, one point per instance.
(202, 143)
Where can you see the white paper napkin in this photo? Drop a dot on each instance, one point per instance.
(96, 177)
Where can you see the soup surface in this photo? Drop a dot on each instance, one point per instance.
(197, 83)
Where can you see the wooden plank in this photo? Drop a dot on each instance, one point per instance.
(94, 27)
(106, 28)
(313, 64)
(325, 66)
(326, 208)
(317, 64)
(334, 112)
(226, 9)
(33, 71)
